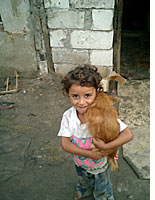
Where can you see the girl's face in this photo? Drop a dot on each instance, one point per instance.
(81, 97)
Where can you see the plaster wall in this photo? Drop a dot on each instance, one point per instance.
(16, 39)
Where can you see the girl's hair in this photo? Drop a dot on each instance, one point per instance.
(82, 75)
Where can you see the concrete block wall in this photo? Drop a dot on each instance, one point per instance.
(81, 31)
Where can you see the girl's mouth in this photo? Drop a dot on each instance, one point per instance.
(82, 107)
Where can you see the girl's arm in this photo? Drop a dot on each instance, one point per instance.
(124, 137)
(69, 147)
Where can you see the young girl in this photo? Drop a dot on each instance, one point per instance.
(82, 84)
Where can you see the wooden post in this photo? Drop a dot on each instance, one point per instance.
(117, 34)
(46, 40)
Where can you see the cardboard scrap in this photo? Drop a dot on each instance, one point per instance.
(112, 76)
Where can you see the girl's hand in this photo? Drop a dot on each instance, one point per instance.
(125, 136)
(99, 144)
(95, 154)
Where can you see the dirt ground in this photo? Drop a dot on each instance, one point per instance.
(32, 164)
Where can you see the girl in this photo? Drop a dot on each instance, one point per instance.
(81, 85)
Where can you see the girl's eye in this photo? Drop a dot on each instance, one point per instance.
(75, 96)
(88, 95)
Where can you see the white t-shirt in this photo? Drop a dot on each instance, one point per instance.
(72, 127)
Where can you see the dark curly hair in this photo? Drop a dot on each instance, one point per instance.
(85, 75)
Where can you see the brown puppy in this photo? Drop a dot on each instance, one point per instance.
(101, 118)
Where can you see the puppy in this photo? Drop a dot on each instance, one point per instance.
(101, 118)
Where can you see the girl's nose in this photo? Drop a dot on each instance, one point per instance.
(81, 101)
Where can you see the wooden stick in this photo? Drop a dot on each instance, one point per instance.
(7, 91)
(7, 84)
(46, 41)
(16, 80)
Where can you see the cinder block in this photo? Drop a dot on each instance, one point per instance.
(43, 67)
(71, 56)
(65, 19)
(102, 19)
(92, 39)
(57, 38)
(101, 57)
(56, 3)
(63, 68)
(92, 3)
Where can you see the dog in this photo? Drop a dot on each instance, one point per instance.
(101, 118)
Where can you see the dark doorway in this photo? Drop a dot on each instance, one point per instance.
(135, 39)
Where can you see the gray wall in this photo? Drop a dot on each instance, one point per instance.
(16, 39)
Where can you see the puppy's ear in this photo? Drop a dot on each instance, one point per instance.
(100, 89)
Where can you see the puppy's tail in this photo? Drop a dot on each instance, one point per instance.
(113, 164)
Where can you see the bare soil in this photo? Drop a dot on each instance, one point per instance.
(32, 164)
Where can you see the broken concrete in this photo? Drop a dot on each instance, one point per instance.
(134, 109)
